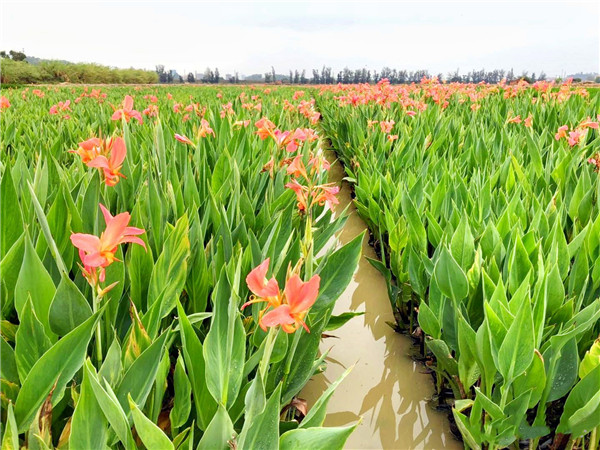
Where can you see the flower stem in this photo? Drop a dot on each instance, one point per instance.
(95, 303)
(269, 344)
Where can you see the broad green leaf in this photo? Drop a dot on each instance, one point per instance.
(316, 438)
(450, 278)
(88, 427)
(31, 341)
(57, 366)
(149, 433)
(517, 349)
(35, 281)
(69, 308)
(219, 432)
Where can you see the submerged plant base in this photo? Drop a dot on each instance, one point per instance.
(388, 389)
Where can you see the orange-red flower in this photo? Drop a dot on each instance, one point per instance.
(127, 111)
(108, 156)
(299, 297)
(89, 149)
(205, 129)
(516, 119)
(528, 122)
(183, 139)
(562, 132)
(4, 102)
(589, 123)
(326, 195)
(99, 252)
(265, 128)
(301, 194)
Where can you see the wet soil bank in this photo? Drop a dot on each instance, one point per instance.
(386, 387)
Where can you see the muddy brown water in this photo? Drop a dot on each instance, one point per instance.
(386, 387)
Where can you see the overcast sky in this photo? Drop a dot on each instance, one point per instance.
(555, 36)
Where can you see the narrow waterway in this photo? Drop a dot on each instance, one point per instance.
(386, 387)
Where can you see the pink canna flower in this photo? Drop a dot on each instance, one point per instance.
(183, 139)
(301, 194)
(99, 252)
(89, 150)
(392, 137)
(575, 137)
(325, 195)
(516, 119)
(109, 160)
(296, 168)
(299, 297)
(561, 133)
(386, 125)
(4, 102)
(589, 123)
(59, 107)
(127, 111)
(528, 122)
(257, 282)
(265, 128)
(205, 129)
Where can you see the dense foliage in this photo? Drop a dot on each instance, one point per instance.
(160, 285)
(22, 72)
(483, 202)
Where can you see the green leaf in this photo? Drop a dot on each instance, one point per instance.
(516, 352)
(462, 245)
(219, 432)
(263, 432)
(35, 281)
(169, 273)
(8, 363)
(194, 359)
(317, 438)
(182, 402)
(58, 365)
(10, 433)
(582, 409)
(69, 308)
(31, 341)
(107, 400)
(11, 220)
(337, 272)
(450, 278)
(225, 345)
(149, 433)
(88, 426)
(138, 380)
(336, 322)
(316, 415)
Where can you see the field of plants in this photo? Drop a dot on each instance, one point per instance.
(166, 277)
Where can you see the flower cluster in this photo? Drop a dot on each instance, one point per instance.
(61, 108)
(290, 140)
(577, 135)
(106, 155)
(126, 111)
(289, 308)
(97, 253)
(309, 194)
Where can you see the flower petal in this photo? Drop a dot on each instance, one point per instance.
(278, 316)
(86, 242)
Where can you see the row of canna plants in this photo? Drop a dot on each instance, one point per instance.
(488, 228)
(159, 281)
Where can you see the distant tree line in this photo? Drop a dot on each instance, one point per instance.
(348, 76)
(16, 70)
(210, 76)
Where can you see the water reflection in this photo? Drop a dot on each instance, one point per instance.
(386, 388)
